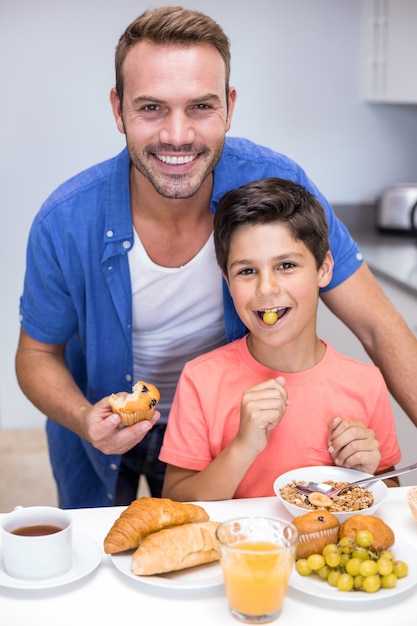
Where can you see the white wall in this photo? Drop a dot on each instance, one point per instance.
(295, 63)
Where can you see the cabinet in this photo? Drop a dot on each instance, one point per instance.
(342, 339)
(390, 51)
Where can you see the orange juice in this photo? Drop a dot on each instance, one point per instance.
(256, 576)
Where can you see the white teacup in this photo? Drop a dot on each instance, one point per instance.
(37, 542)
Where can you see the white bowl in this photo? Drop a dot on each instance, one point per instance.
(338, 474)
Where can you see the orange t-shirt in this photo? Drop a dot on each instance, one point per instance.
(205, 413)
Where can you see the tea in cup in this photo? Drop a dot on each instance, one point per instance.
(257, 555)
(36, 542)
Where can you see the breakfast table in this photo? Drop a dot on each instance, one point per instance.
(100, 589)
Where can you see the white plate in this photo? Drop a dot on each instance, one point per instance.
(313, 585)
(199, 577)
(87, 556)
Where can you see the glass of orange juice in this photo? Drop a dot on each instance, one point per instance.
(256, 555)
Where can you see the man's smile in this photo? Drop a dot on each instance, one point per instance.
(175, 160)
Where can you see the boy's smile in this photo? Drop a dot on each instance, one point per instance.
(271, 316)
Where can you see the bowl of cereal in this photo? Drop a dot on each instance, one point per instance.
(365, 499)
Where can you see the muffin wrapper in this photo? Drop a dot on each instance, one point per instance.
(412, 501)
(128, 419)
(313, 543)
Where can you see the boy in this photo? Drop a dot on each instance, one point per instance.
(280, 397)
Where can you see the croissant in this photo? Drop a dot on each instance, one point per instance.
(148, 515)
(176, 548)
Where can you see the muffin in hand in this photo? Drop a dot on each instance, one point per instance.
(136, 406)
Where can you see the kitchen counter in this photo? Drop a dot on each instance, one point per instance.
(393, 261)
(390, 256)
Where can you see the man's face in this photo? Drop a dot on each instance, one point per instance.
(175, 114)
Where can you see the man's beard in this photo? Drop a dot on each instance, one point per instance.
(176, 186)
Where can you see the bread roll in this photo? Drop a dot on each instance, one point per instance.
(148, 515)
(383, 535)
(136, 406)
(176, 548)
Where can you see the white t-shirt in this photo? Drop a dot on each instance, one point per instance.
(177, 315)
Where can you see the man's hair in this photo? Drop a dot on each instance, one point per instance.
(271, 200)
(171, 25)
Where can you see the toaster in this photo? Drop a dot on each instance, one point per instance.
(397, 209)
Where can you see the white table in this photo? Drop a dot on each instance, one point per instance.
(107, 597)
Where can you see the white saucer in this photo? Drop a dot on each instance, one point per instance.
(87, 556)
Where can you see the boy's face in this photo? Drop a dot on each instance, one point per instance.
(268, 270)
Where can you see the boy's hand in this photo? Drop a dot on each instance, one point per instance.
(353, 445)
(262, 408)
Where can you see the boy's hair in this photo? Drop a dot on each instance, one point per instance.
(171, 25)
(271, 200)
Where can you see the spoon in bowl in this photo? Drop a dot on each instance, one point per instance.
(330, 491)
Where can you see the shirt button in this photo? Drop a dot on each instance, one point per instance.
(113, 466)
(109, 233)
(128, 378)
(126, 245)
(110, 496)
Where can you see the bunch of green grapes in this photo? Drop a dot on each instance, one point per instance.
(351, 565)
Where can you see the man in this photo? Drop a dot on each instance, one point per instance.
(120, 259)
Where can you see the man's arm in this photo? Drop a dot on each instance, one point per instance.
(47, 382)
(45, 379)
(361, 304)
